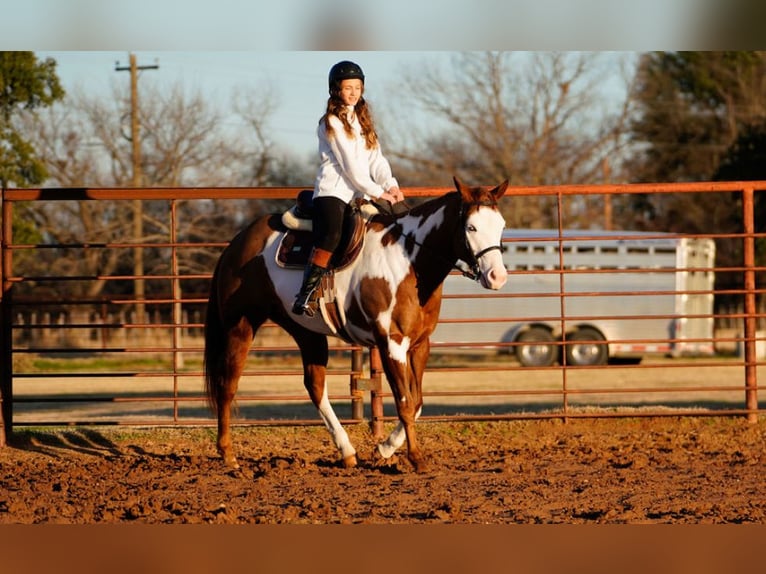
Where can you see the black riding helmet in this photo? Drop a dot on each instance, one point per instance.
(344, 70)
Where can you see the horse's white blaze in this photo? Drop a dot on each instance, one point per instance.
(338, 433)
(395, 440)
(398, 351)
(489, 226)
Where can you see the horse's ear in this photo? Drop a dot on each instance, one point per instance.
(500, 190)
(464, 191)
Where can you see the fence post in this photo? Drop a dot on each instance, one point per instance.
(751, 377)
(6, 332)
(357, 396)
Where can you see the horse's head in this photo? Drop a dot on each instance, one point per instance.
(483, 230)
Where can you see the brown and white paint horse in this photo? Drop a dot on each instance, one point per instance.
(390, 297)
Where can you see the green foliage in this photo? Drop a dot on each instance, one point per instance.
(693, 106)
(705, 76)
(746, 157)
(26, 84)
(18, 163)
(25, 232)
(746, 161)
(701, 116)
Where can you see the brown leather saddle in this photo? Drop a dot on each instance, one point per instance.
(295, 247)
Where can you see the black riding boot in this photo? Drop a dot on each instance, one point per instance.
(312, 275)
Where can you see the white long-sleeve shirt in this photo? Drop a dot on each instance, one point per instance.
(347, 169)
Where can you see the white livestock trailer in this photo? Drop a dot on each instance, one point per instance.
(587, 297)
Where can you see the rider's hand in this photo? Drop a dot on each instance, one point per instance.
(396, 194)
(388, 196)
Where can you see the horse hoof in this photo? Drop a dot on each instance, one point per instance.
(231, 462)
(419, 465)
(378, 461)
(377, 457)
(384, 450)
(349, 461)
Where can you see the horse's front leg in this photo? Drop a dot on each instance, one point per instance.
(395, 440)
(404, 369)
(314, 352)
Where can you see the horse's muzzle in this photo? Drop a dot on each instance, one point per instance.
(494, 278)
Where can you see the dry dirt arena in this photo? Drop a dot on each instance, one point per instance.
(637, 470)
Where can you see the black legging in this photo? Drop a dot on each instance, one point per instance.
(329, 213)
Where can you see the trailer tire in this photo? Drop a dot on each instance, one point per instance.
(537, 348)
(586, 347)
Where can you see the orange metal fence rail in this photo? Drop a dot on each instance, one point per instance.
(464, 381)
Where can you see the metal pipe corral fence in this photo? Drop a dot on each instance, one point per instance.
(94, 359)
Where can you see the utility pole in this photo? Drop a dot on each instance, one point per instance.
(138, 214)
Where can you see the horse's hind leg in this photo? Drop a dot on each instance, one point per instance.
(314, 353)
(233, 361)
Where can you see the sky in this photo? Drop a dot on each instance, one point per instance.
(290, 45)
(393, 24)
(298, 79)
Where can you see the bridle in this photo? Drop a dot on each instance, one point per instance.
(473, 272)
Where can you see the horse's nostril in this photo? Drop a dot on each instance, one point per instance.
(498, 277)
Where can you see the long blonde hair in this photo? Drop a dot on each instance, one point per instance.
(335, 107)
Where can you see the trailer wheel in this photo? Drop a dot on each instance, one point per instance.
(536, 348)
(586, 347)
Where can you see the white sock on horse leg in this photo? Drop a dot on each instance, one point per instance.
(338, 433)
(395, 440)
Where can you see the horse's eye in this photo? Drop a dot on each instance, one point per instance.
(470, 228)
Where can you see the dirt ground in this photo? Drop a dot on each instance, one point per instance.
(637, 470)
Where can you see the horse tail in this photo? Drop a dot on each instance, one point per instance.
(212, 361)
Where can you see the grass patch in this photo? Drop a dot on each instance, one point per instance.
(85, 364)
(30, 363)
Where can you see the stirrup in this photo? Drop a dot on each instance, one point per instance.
(309, 308)
(307, 305)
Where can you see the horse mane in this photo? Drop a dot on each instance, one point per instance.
(421, 209)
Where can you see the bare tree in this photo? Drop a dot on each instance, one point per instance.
(185, 141)
(535, 118)
(271, 166)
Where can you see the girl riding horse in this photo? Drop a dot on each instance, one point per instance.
(351, 165)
